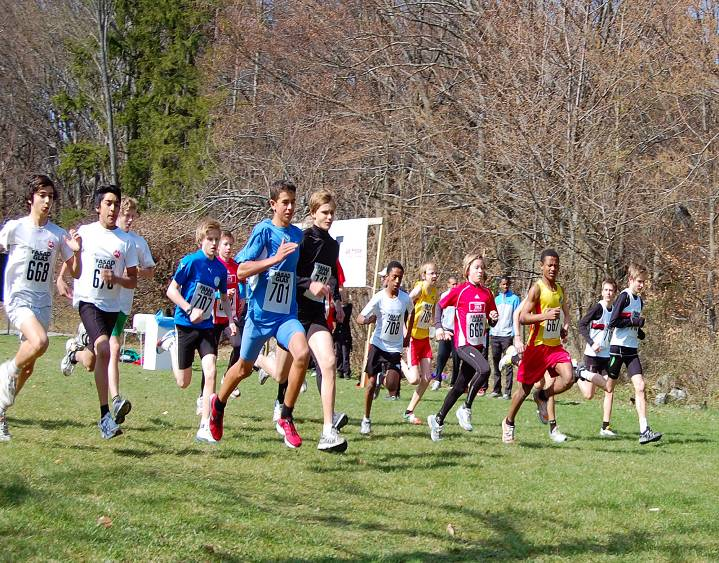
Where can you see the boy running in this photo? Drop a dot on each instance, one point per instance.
(129, 212)
(594, 328)
(270, 259)
(198, 278)
(32, 244)
(547, 311)
(424, 295)
(389, 308)
(474, 309)
(627, 322)
(109, 258)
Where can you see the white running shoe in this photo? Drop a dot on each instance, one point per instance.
(7, 386)
(4, 431)
(108, 427)
(464, 416)
(507, 432)
(332, 442)
(277, 412)
(198, 407)
(339, 420)
(556, 436)
(262, 376)
(365, 426)
(68, 362)
(166, 341)
(304, 387)
(435, 428)
(204, 434)
(436, 384)
(607, 432)
(542, 412)
(506, 360)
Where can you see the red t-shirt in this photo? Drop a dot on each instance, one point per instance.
(473, 304)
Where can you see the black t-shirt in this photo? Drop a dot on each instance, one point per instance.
(319, 253)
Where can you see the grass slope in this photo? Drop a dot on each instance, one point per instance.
(395, 496)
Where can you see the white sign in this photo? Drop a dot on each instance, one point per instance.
(352, 236)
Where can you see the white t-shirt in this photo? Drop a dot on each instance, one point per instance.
(30, 268)
(103, 249)
(447, 314)
(145, 260)
(389, 331)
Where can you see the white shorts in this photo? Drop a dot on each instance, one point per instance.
(18, 314)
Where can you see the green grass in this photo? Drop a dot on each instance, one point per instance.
(390, 497)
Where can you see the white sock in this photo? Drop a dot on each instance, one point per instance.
(642, 424)
(326, 428)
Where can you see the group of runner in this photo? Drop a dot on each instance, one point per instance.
(280, 285)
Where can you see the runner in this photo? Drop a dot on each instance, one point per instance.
(594, 328)
(546, 310)
(199, 277)
(32, 243)
(419, 354)
(474, 308)
(627, 322)
(389, 308)
(445, 348)
(271, 255)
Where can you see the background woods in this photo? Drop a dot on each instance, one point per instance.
(590, 126)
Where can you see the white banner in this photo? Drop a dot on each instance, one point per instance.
(352, 236)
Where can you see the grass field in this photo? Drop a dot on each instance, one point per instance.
(395, 496)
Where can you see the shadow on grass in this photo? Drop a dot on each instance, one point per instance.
(48, 424)
(13, 494)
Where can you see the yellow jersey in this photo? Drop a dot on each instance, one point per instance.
(424, 310)
(548, 331)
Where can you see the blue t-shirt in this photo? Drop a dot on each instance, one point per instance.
(507, 304)
(272, 293)
(199, 278)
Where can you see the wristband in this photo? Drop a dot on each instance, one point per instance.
(188, 311)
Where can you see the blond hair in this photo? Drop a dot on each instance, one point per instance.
(635, 270)
(423, 269)
(204, 227)
(468, 259)
(129, 204)
(319, 198)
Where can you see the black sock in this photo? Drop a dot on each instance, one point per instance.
(509, 422)
(440, 419)
(605, 425)
(542, 395)
(281, 390)
(407, 412)
(552, 425)
(104, 409)
(287, 412)
(219, 405)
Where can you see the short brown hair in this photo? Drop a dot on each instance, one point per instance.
(204, 227)
(279, 186)
(635, 270)
(610, 281)
(227, 234)
(34, 183)
(319, 198)
(129, 204)
(468, 259)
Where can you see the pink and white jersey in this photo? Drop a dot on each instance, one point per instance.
(473, 304)
(30, 268)
(103, 249)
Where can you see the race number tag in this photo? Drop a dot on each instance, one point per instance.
(552, 328)
(203, 298)
(392, 327)
(221, 310)
(425, 317)
(322, 274)
(99, 286)
(475, 329)
(37, 269)
(278, 294)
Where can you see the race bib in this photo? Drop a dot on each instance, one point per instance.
(278, 294)
(425, 317)
(322, 274)
(475, 329)
(392, 327)
(221, 310)
(203, 298)
(552, 328)
(100, 286)
(37, 269)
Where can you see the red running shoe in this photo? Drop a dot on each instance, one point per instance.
(216, 418)
(286, 428)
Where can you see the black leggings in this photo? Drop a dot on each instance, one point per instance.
(474, 373)
(444, 350)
